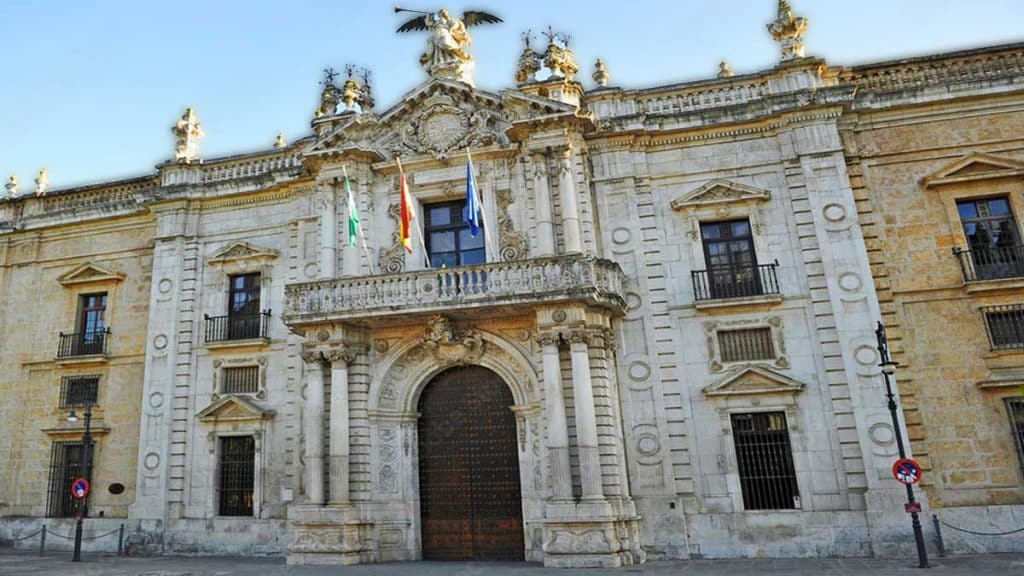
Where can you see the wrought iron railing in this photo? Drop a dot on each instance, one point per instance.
(83, 343)
(549, 279)
(237, 326)
(1005, 326)
(735, 281)
(991, 262)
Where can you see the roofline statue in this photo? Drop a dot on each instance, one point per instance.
(447, 54)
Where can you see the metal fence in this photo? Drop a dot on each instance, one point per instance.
(735, 281)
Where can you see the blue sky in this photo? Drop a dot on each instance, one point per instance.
(91, 88)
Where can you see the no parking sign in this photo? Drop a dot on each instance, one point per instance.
(80, 488)
(906, 471)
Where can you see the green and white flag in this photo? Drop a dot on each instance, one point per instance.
(353, 215)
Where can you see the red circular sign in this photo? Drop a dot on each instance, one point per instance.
(80, 488)
(906, 471)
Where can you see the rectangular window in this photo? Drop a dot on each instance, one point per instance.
(731, 263)
(745, 345)
(65, 468)
(237, 474)
(240, 380)
(992, 238)
(1005, 325)
(448, 240)
(244, 294)
(765, 461)
(91, 309)
(76, 391)
(1015, 408)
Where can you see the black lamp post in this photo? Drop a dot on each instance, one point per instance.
(888, 369)
(86, 473)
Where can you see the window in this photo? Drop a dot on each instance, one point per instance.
(240, 380)
(244, 319)
(76, 391)
(91, 308)
(745, 345)
(765, 461)
(1005, 325)
(732, 269)
(237, 472)
(1015, 409)
(244, 295)
(447, 237)
(65, 467)
(992, 238)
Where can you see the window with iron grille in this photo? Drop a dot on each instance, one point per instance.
(237, 474)
(747, 344)
(77, 391)
(240, 380)
(1005, 325)
(1015, 409)
(765, 461)
(65, 467)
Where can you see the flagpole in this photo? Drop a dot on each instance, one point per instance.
(359, 225)
(423, 244)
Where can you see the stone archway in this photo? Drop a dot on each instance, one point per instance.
(470, 493)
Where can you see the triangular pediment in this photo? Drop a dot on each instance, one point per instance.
(89, 272)
(720, 191)
(754, 380)
(439, 118)
(973, 167)
(234, 409)
(241, 251)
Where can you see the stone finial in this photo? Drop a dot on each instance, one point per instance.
(280, 141)
(42, 182)
(788, 31)
(366, 100)
(724, 70)
(12, 186)
(351, 93)
(187, 132)
(529, 61)
(559, 58)
(601, 75)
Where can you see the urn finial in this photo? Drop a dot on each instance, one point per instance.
(601, 75)
(788, 30)
(187, 132)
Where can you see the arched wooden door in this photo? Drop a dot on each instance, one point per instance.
(470, 499)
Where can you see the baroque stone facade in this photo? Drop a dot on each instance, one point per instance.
(633, 367)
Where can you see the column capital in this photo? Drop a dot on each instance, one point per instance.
(311, 356)
(547, 337)
(341, 352)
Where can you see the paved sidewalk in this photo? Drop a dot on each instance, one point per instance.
(57, 563)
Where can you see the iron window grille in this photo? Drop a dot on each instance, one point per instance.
(78, 391)
(745, 345)
(1005, 326)
(65, 467)
(765, 460)
(1015, 409)
(240, 380)
(237, 475)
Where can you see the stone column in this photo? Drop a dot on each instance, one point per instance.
(328, 231)
(570, 204)
(542, 205)
(338, 459)
(558, 431)
(586, 419)
(314, 426)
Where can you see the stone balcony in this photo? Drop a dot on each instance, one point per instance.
(479, 289)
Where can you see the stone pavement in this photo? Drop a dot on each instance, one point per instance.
(21, 563)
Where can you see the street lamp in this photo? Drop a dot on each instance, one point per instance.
(86, 473)
(888, 369)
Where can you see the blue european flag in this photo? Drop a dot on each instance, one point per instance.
(471, 213)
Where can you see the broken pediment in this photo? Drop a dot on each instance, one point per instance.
(754, 380)
(439, 118)
(231, 408)
(89, 272)
(720, 191)
(239, 251)
(973, 167)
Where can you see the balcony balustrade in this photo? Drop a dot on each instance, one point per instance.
(237, 326)
(534, 281)
(991, 262)
(92, 343)
(735, 282)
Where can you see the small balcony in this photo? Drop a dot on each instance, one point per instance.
(991, 262)
(725, 285)
(75, 345)
(236, 327)
(479, 289)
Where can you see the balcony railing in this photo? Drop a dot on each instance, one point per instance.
(735, 281)
(991, 262)
(538, 280)
(237, 326)
(83, 343)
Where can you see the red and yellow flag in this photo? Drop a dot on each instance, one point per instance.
(407, 214)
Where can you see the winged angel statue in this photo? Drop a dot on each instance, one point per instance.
(446, 55)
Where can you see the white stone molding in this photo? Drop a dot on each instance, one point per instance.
(545, 231)
(778, 337)
(974, 167)
(228, 416)
(720, 192)
(572, 235)
(586, 419)
(558, 431)
(90, 273)
(260, 362)
(238, 257)
(754, 381)
(313, 426)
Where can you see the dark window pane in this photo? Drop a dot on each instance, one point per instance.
(740, 229)
(998, 207)
(967, 209)
(710, 231)
(442, 241)
(440, 216)
(468, 242)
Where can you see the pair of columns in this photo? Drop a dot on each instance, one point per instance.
(572, 235)
(584, 410)
(338, 357)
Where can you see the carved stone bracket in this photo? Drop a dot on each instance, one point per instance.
(514, 245)
(392, 260)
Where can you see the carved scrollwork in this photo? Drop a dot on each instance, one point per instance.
(513, 244)
(450, 344)
(311, 356)
(392, 260)
(340, 353)
(442, 125)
